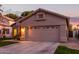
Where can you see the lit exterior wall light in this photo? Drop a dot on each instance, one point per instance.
(23, 29)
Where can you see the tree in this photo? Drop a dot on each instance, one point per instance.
(11, 15)
(25, 13)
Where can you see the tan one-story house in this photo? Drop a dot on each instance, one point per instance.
(42, 25)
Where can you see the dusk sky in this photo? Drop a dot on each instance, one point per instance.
(70, 10)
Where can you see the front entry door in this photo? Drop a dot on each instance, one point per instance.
(22, 37)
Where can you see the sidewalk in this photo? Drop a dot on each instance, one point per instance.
(73, 44)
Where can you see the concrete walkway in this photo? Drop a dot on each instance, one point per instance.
(29, 47)
(72, 43)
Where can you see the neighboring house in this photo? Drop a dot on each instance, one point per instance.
(74, 21)
(5, 28)
(42, 25)
(76, 31)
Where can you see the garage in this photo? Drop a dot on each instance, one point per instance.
(44, 33)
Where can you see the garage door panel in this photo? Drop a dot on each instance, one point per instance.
(50, 34)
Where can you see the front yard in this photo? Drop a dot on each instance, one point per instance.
(4, 43)
(65, 50)
(60, 49)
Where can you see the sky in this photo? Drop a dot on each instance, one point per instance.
(70, 10)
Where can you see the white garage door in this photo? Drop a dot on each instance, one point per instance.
(44, 33)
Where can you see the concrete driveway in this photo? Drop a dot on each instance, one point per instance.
(29, 47)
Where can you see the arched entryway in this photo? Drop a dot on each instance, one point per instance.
(22, 32)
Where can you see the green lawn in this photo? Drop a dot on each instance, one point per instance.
(65, 50)
(4, 43)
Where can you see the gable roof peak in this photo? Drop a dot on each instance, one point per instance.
(40, 9)
(51, 12)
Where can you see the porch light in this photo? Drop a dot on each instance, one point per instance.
(23, 29)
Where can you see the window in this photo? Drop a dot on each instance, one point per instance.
(47, 27)
(3, 31)
(40, 15)
(7, 31)
(31, 27)
(52, 27)
(44, 27)
(35, 27)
